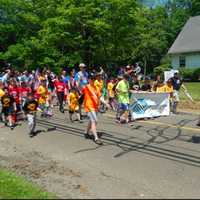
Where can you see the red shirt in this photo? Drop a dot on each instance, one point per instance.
(60, 86)
(14, 91)
(24, 91)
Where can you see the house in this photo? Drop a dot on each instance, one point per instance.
(185, 51)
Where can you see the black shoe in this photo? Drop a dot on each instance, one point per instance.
(32, 134)
(11, 127)
(88, 136)
(99, 135)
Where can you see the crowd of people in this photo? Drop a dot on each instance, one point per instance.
(27, 93)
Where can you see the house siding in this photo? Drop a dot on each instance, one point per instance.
(192, 60)
(175, 61)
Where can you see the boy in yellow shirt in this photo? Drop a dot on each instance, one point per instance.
(43, 99)
(73, 102)
(98, 83)
(111, 94)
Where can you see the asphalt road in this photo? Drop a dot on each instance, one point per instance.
(146, 159)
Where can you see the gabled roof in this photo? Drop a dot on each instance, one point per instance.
(189, 38)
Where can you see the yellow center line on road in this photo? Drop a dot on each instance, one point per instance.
(163, 124)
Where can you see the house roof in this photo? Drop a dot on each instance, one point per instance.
(189, 38)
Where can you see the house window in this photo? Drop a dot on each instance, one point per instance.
(182, 61)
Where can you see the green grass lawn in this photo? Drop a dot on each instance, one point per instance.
(193, 89)
(14, 187)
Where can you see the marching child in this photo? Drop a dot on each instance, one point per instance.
(30, 108)
(111, 94)
(8, 108)
(44, 99)
(73, 103)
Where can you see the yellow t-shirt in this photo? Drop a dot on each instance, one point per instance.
(161, 89)
(41, 78)
(1, 93)
(168, 88)
(42, 91)
(99, 84)
(110, 87)
(73, 102)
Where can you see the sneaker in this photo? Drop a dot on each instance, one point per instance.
(62, 111)
(11, 127)
(99, 135)
(99, 142)
(88, 136)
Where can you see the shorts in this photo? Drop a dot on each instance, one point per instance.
(50, 89)
(93, 116)
(124, 106)
(8, 111)
(176, 96)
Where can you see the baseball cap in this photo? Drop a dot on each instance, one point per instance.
(82, 65)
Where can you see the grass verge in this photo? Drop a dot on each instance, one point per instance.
(15, 187)
(193, 89)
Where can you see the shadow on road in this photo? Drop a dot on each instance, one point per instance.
(130, 144)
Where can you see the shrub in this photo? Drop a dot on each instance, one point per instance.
(190, 74)
(196, 75)
(161, 68)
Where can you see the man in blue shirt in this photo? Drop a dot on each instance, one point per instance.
(82, 80)
(176, 83)
(82, 76)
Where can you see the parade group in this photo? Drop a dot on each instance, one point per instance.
(42, 91)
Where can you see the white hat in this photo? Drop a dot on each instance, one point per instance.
(82, 65)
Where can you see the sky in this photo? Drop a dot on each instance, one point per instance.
(154, 2)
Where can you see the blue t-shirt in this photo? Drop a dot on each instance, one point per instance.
(82, 78)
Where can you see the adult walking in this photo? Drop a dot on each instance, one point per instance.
(91, 104)
(82, 81)
(176, 83)
(122, 90)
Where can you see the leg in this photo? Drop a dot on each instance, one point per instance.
(70, 116)
(11, 121)
(94, 130)
(31, 123)
(89, 127)
(78, 116)
(60, 96)
(174, 109)
(176, 101)
(93, 126)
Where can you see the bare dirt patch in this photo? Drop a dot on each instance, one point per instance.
(193, 107)
(50, 175)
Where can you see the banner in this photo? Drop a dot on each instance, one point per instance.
(148, 105)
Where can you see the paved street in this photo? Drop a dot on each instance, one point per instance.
(147, 159)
